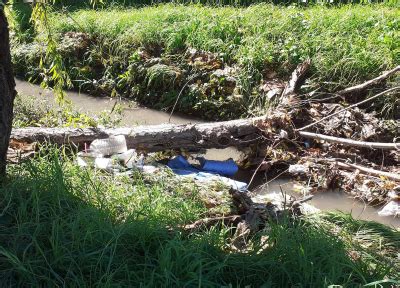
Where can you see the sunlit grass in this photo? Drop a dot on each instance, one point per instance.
(347, 45)
(64, 226)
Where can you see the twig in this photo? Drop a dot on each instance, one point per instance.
(369, 83)
(351, 106)
(255, 172)
(369, 171)
(179, 96)
(349, 142)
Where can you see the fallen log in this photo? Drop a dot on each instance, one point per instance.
(369, 83)
(237, 133)
(350, 142)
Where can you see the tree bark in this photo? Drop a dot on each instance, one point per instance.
(237, 133)
(7, 89)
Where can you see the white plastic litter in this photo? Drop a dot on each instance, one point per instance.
(109, 146)
(390, 209)
(149, 169)
(283, 134)
(103, 163)
(209, 177)
(86, 159)
(81, 162)
(127, 157)
(298, 169)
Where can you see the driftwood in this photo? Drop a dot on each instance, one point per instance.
(192, 137)
(237, 133)
(369, 83)
(349, 142)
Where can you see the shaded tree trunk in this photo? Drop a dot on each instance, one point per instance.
(7, 89)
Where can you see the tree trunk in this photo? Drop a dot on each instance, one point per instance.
(236, 133)
(7, 90)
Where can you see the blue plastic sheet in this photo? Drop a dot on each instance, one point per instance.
(181, 166)
(210, 171)
(227, 168)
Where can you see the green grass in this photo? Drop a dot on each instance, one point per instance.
(64, 226)
(80, 3)
(347, 45)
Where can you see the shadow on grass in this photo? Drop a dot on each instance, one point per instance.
(61, 226)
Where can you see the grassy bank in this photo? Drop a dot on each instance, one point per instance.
(224, 60)
(61, 225)
(83, 4)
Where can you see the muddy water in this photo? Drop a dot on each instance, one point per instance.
(330, 201)
(134, 114)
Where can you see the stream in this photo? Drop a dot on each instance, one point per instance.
(134, 114)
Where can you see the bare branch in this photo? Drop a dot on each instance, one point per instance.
(369, 83)
(350, 142)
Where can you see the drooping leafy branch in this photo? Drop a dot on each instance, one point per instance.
(51, 64)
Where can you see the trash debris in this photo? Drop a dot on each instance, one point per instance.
(226, 168)
(209, 177)
(112, 155)
(298, 169)
(109, 146)
(103, 163)
(209, 171)
(390, 209)
(181, 166)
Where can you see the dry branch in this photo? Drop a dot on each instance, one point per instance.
(349, 142)
(366, 170)
(297, 79)
(369, 83)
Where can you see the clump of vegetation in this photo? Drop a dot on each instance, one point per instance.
(30, 111)
(262, 44)
(65, 225)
